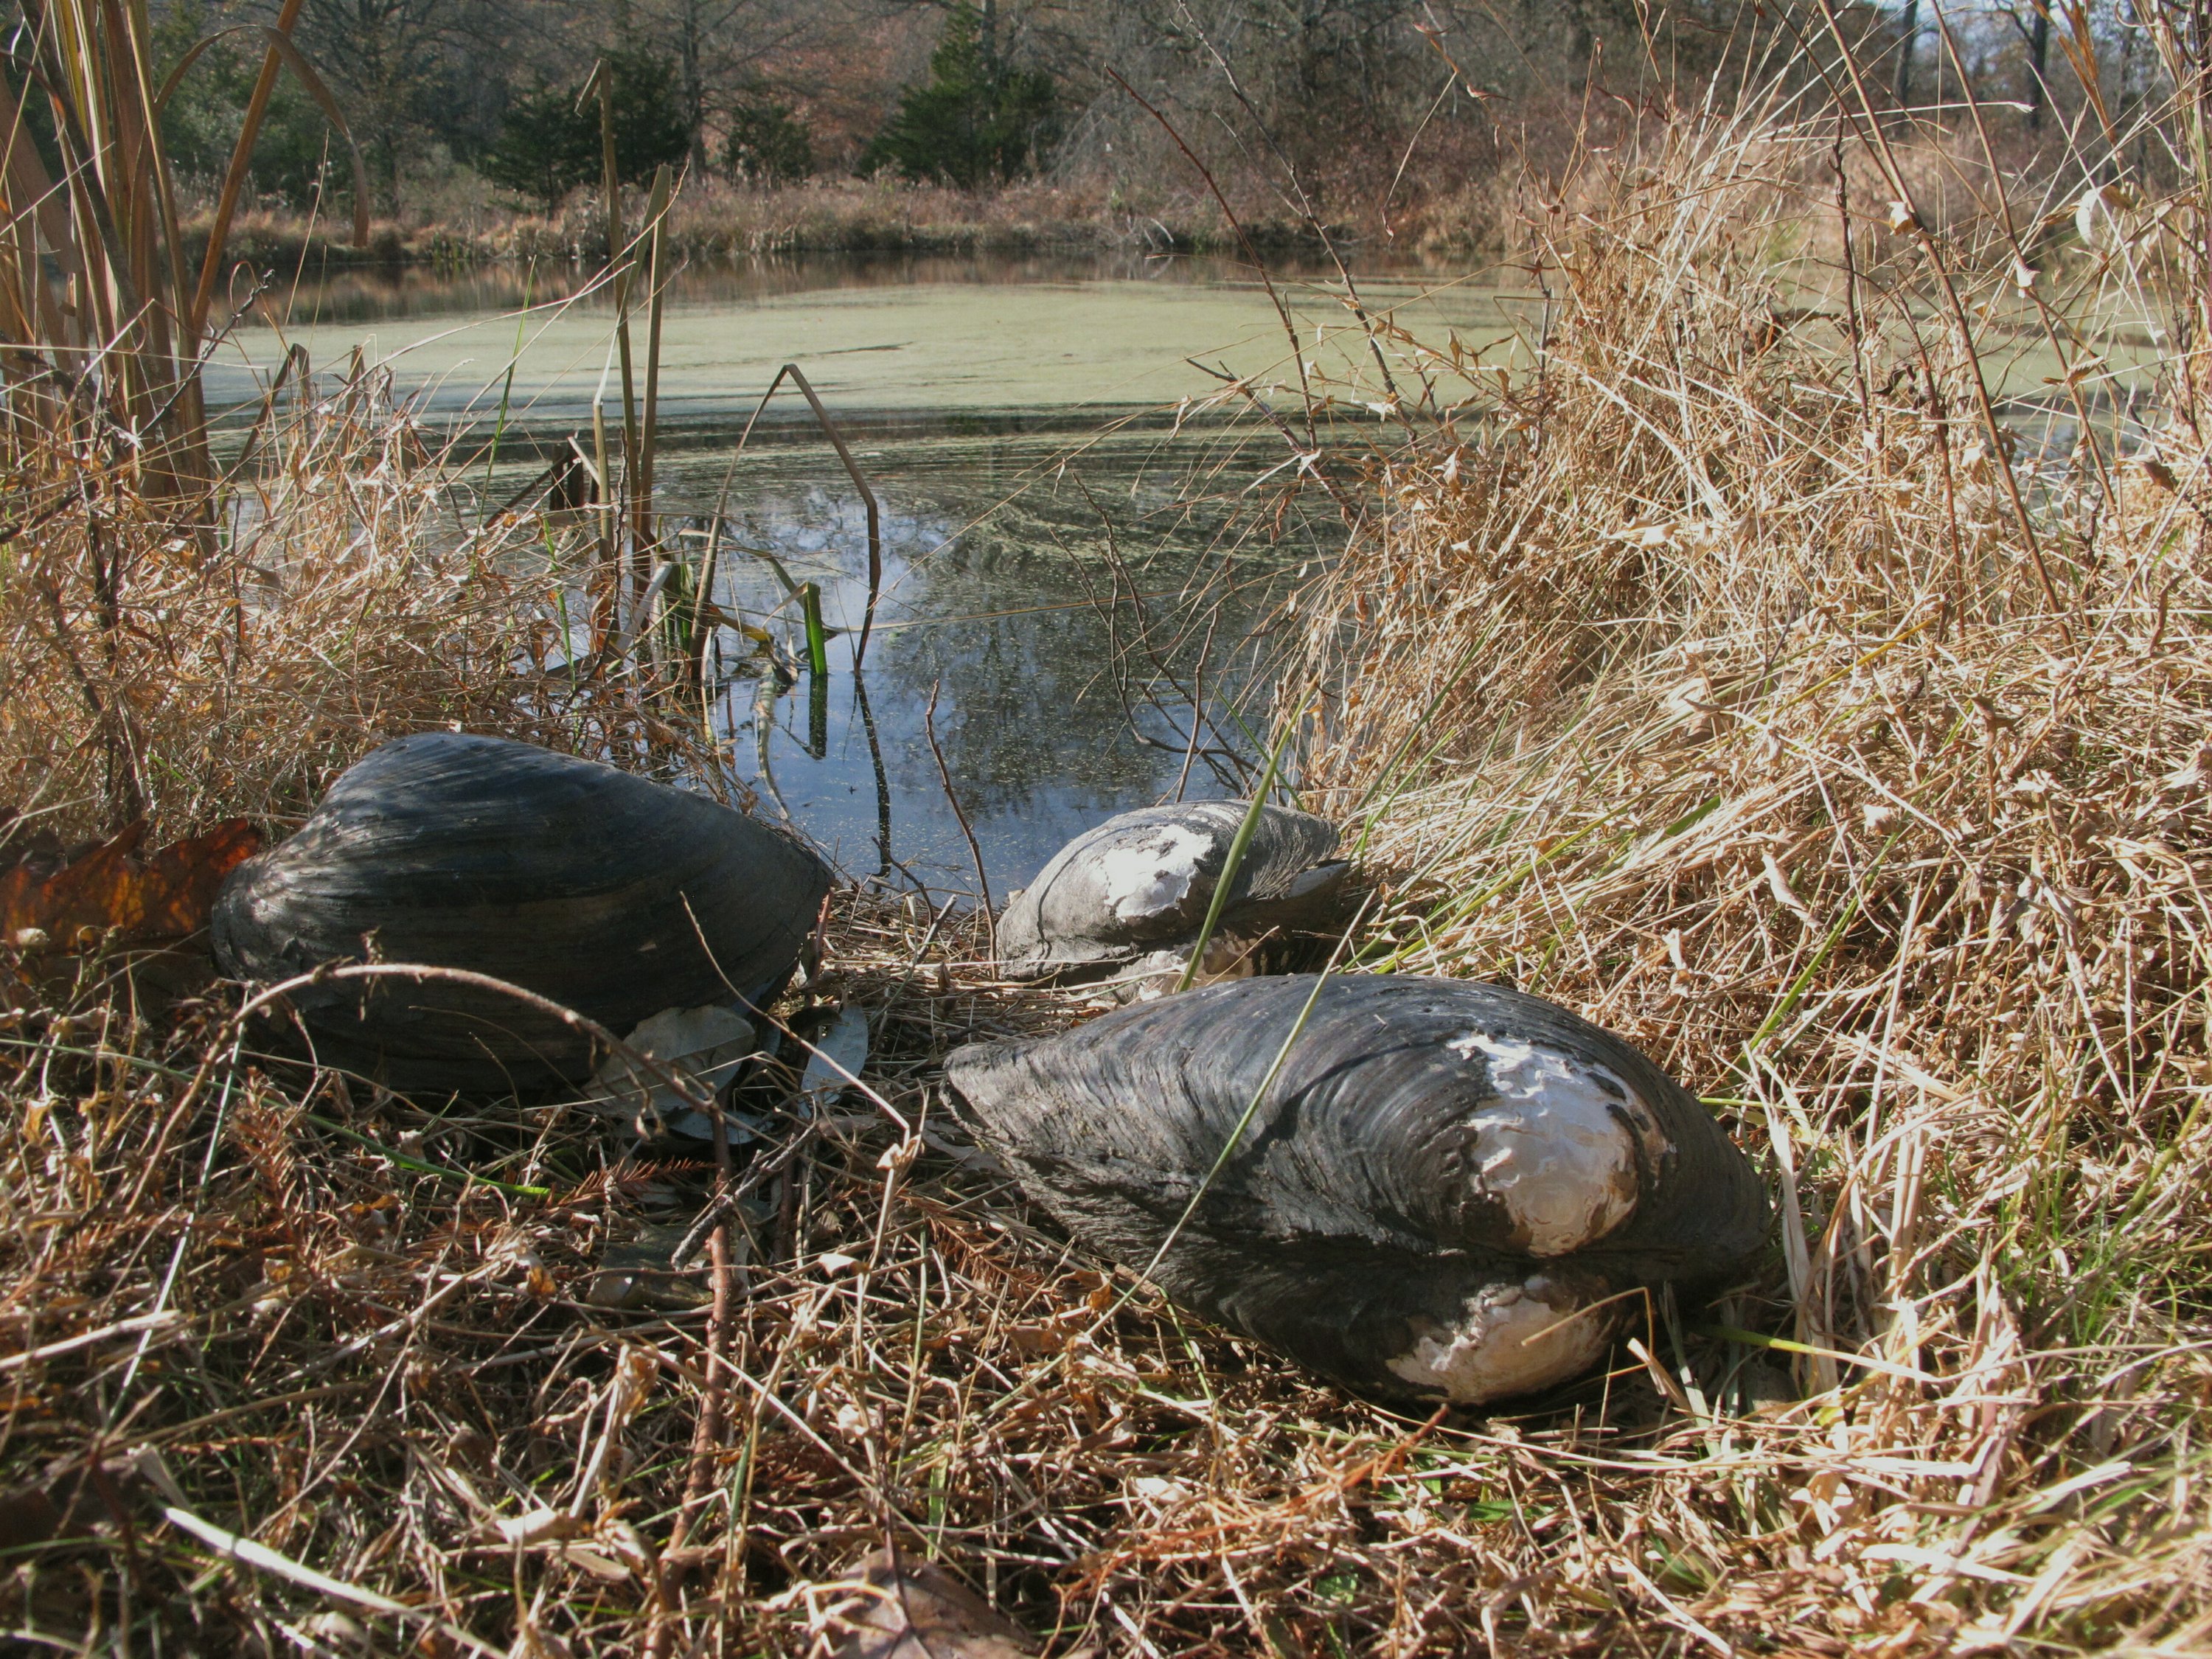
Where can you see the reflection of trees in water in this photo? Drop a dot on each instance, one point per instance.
(375, 293)
(1010, 615)
(1024, 709)
(1043, 698)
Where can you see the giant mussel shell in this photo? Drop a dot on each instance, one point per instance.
(1444, 1194)
(610, 894)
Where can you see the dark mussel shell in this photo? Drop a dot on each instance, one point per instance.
(1142, 882)
(608, 893)
(1433, 1199)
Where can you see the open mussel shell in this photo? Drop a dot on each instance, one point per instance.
(1143, 881)
(608, 893)
(1449, 1191)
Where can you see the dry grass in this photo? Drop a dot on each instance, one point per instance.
(354, 586)
(324, 1335)
(1713, 686)
(1701, 674)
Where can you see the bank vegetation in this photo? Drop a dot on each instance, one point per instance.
(1747, 656)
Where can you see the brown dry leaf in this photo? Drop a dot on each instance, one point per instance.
(1034, 1340)
(164, 896)
(924, 1612)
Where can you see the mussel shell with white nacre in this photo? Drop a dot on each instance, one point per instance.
(1443, 1195)
(1142, 882)
(611, 894)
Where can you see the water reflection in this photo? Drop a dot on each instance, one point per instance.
(1086, 611)
(378, 292)
(1057, 616)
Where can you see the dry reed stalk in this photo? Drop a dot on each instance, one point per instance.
(621, 256)
(113, 345)
(835, 435)
(646, 537)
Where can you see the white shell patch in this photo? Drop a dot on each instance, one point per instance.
(1153, 872)
(1550, 1148)
(1511, 1339)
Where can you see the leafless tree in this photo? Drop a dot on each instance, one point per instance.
(724, 50)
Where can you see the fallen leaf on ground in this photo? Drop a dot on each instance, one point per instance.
(706, 1045)
(164, 896)
(924, 1612)
(838, 1056)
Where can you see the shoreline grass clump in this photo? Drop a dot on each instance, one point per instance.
(1738, 681)
(188, 662)
(717, 221)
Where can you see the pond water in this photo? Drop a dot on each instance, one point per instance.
(1079, 551)
(1015, 341)
(1065, 612)
(1069, 569)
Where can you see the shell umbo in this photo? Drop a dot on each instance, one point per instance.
(1444, 1194)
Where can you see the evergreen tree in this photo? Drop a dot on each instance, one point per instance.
(767, 144)
(545, 148)
(977, 121)
(548, 146)
(296, 153)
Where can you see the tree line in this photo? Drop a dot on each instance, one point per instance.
(1345, 95)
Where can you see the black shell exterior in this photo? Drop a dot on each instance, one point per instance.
(1429, 1144)
(1143, 881)
(589, 885)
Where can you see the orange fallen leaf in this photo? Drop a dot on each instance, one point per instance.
(164, 896)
